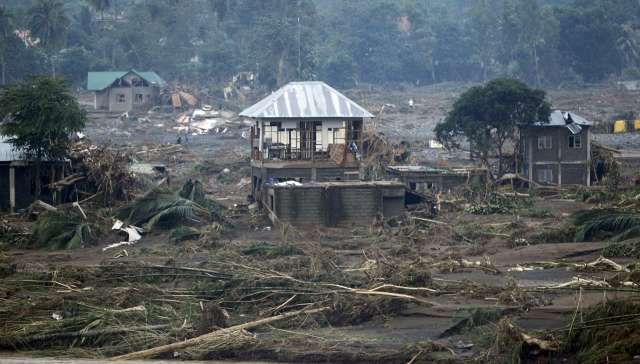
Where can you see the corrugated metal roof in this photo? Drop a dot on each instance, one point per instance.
(7, 152)
(557, 119)
(311, 99)
(97, 81)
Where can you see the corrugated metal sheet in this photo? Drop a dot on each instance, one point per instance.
(311, 99)
(100, 80)
(557, 119)
(97, 81)
(7, 153)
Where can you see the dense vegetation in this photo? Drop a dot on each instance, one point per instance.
(544, 43)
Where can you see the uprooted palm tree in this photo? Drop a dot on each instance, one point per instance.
(161, 206)
(622, 224)
(60, 230)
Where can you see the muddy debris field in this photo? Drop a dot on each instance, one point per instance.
(171, 262)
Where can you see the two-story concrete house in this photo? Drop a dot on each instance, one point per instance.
(558, 152)
(122, 90)
(305, 131)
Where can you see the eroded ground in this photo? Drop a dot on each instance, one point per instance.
(398, 290)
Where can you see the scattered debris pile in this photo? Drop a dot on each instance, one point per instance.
(98, 172)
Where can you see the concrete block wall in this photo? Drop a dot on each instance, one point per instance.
(357, 206)
(335, 205)
(299, 206)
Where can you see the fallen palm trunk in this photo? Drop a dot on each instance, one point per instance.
(197, 340)
(229, 341)
(75, 334)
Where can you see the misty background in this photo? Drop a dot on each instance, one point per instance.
(546, 43)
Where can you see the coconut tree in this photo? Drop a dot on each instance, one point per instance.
(100, 5)
(628, 45)
(85, 19)
(6, 27)
(50, 24)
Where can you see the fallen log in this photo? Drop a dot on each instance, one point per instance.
(75, 334)
(196, 340)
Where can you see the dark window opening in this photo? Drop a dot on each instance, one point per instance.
(575, 141)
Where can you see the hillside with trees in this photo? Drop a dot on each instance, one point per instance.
(205, 42)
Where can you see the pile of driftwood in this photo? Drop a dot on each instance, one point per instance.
(97, 171)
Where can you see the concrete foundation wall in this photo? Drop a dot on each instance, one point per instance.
(335, 204)
(101, 100)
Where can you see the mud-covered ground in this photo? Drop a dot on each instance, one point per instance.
(473, 261)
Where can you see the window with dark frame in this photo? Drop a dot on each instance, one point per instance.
(575, 141)
(120, 98)
(138, 98)
(545, 175)
(544, 142)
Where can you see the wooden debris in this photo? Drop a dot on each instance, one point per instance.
(196, 340)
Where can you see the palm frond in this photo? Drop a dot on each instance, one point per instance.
(182, 233)
(172, 216)
(59, 231)
(591, 222)
(634, 232)
(162, 206)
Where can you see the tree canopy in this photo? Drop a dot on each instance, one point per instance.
(492, 117)
(40, 115)
(542, 42)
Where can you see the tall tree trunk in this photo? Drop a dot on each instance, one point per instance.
(53, 68)
(113, 56)
(38, 182)
(280, 70)
(2, 61)
(535, 55)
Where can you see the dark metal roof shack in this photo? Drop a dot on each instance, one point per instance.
(311, 99)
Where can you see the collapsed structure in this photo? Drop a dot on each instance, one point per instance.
(437, 179)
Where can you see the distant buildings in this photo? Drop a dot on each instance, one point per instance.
(123, 90)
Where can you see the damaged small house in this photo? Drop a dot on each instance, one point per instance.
(17, 185)
(559, 152)
(123, 90)
(306, 142)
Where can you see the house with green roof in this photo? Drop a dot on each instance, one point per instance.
(123, 90)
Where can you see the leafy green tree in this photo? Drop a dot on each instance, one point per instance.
(50, 24)
(484, 31)
(340, 71)
(588, 42)
(42, 114)
(6, 27)
(493, 116)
